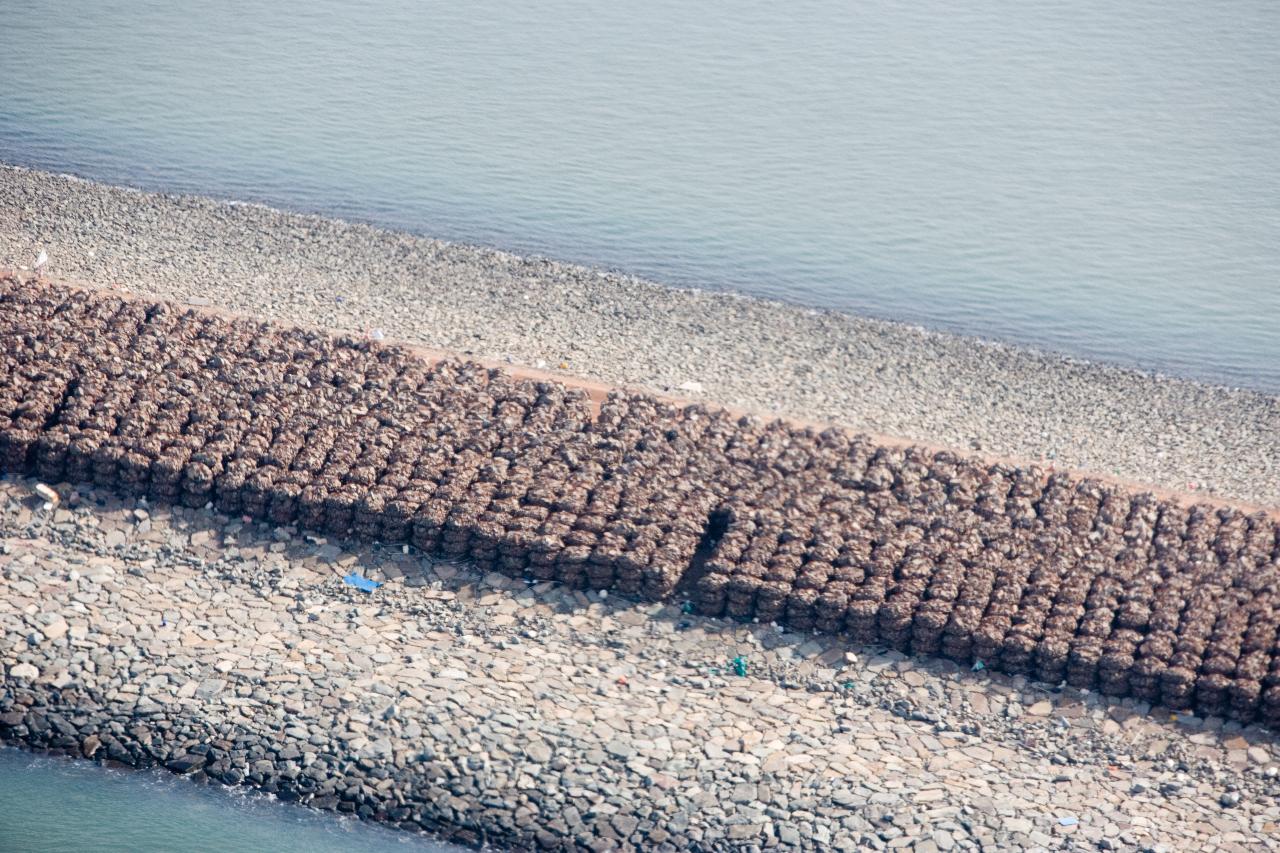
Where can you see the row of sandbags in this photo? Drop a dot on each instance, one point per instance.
(934, 553)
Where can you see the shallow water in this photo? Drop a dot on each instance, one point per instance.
(1101, 178)
(53, 805)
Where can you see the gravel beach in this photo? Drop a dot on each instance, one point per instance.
(868, 375)
(482, 708)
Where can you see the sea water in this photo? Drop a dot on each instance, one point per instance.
(1096, 177)
(56, 805)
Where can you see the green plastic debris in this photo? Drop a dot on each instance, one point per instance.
(739, 666)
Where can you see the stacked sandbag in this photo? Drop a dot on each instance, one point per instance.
(1060, 579)
(1029, 572)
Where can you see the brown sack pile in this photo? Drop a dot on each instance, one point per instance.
(931, 553)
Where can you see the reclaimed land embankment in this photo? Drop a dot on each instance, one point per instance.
(414, 703)
(483, 708)
(871, 376)
(185, 637)
(931, 553)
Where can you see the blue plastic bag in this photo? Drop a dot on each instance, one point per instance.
(361, 582)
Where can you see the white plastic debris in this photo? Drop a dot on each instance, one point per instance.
(691, 386)
(48, 495)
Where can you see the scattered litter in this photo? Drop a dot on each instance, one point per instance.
(198, 300)
(740, 666)
(374, 334)
(604, 593)
(564, 365)
(978, 666)
(622, 680)
(691, 387)
(1067, 820)
(42, 261)
(48, 495)
(687, 607)
(361, 582)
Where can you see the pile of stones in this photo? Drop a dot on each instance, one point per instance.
(1027, 571)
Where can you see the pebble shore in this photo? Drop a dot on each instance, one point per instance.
(481, 708)
(868, 375)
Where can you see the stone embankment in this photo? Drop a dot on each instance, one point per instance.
(886, 378)
(528, 714)
(929, 553)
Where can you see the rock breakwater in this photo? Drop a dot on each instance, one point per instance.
(531, 715)
(931, 553)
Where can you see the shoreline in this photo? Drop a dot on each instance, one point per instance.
(481, 248)
(868, 375)
(528, 712)
(538, 716)
(519, 710)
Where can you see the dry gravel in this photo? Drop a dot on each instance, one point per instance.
(871, 375)
(482, 708)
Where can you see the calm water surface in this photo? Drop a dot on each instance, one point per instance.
(1097, 177)
(51, 805)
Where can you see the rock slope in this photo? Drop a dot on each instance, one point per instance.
(531, 715)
